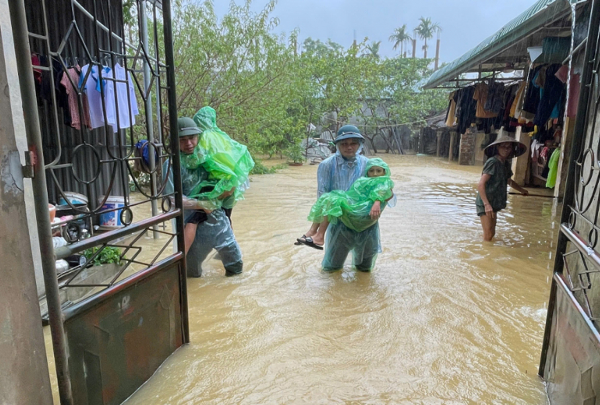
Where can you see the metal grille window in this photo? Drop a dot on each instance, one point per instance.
(100, 80)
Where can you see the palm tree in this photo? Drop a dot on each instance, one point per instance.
(399, 37)
(373, 49)
(425, 31)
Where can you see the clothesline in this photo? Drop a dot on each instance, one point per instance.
(378, 126)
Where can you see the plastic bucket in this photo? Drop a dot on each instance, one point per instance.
(111, 219)
(74, 198)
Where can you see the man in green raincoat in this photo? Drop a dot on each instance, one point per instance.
(214, 230)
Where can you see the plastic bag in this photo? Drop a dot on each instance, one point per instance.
(228, 162)
(352, 207)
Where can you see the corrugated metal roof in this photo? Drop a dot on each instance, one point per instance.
(535, 17)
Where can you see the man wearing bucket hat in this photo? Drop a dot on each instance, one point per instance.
(339, 172)
(495, 177)
(214, 230)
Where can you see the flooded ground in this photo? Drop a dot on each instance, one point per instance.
(444, 318)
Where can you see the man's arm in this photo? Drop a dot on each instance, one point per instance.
(188, 203)
(324, 178)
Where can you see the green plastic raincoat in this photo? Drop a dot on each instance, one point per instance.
(228, 162)
(352, 207)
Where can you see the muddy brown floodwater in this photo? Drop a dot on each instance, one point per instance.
(443, 319)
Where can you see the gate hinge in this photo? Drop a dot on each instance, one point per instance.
(30, 162)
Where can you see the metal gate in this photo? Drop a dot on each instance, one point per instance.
(570, 361)
(96, 77)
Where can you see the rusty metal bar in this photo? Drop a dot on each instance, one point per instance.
(176, 167)
(581, 244)
(34, 139)
(560, 282)
(120, 286)
(84, 244)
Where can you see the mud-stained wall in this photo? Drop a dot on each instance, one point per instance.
(23, 369)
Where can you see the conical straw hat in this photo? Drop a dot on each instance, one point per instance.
(519, 148)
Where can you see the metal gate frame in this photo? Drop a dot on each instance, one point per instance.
(116, 298)
(571, 347)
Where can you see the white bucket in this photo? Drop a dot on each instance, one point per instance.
(112, 219)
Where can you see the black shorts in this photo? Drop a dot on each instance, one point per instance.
(200, 216)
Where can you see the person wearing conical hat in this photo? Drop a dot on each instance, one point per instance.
(495, 177)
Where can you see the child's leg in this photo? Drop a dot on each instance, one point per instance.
(319, 237)
(313, 229)
(489, 227)
(189, 234)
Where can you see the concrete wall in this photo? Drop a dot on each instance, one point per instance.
(24, 375)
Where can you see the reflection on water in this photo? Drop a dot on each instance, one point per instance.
(444, 318)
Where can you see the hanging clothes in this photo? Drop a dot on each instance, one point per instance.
(532, 94)
(518, 100)
(70, 80)
(127, 107)
(574, 87)
(551, 96)
(495, 98)
(92, 89)
(481, 95)
(466, 108)
(451, 112)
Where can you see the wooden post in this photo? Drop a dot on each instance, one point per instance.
(520, 164)
(451, 150)
(437, 54)
(439, 143)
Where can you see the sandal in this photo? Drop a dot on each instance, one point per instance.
(309, 242)
(300, 240)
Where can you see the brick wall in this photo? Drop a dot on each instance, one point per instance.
(466, 154)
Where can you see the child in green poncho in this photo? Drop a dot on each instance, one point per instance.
(227, 161)
(228, 164)
(358, 208)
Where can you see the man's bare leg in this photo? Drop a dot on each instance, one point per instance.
(189, 233)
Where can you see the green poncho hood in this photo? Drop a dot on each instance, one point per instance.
(379, 163)
(206, 118)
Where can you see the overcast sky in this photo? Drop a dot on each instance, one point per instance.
(465, 23)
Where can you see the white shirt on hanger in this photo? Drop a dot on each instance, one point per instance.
(127, 103)
(94, 97)
(126, 107)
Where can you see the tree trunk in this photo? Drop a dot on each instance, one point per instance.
(414, 44)
(385, 138)
(370, 139)
(425, 49)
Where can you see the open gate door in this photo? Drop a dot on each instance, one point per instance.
(570, 361)
(89, 69)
